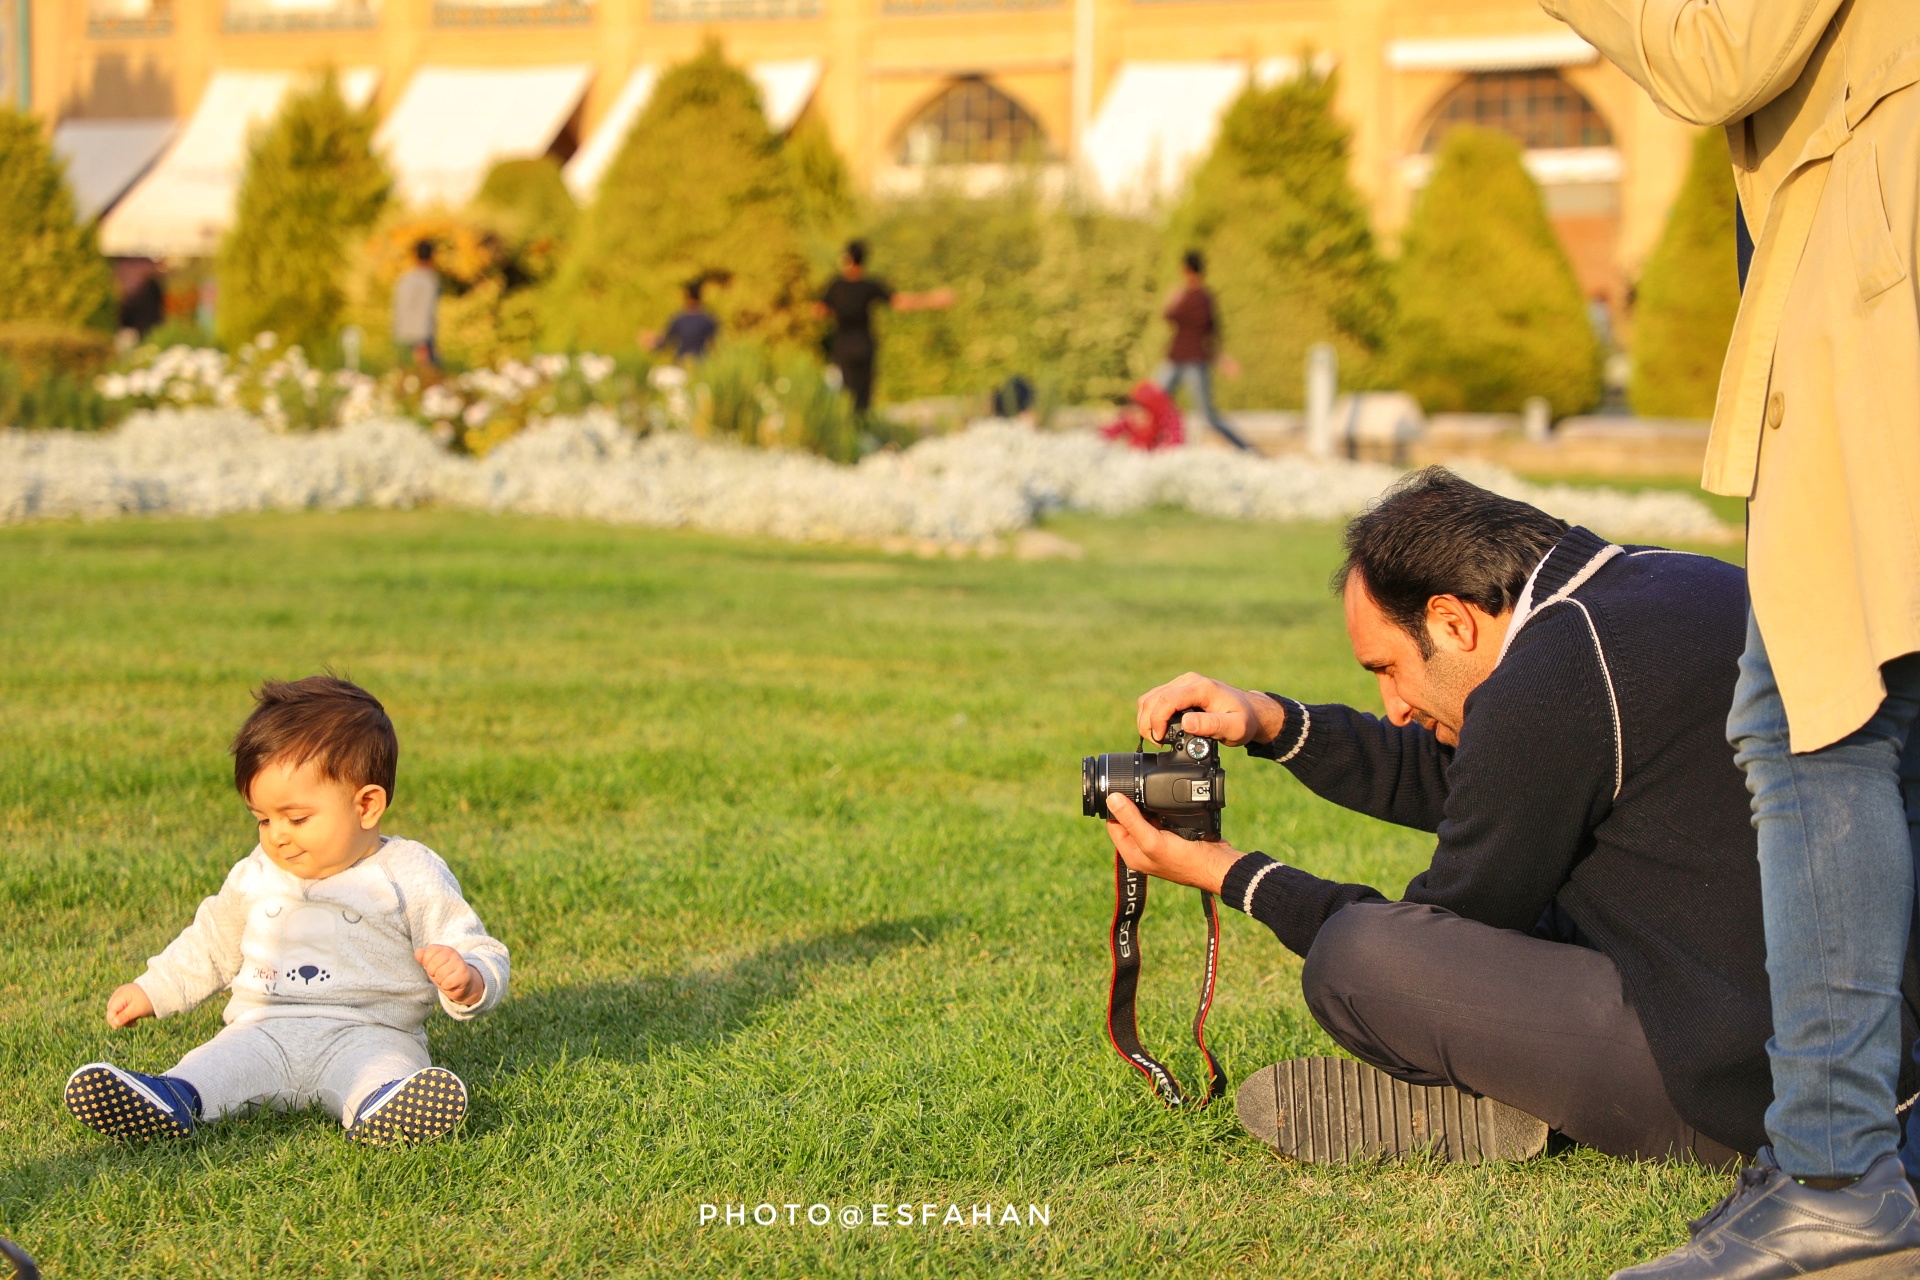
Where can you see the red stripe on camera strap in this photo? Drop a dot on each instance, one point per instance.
(1123, 1028)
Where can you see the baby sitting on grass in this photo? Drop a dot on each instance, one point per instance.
(334, 939)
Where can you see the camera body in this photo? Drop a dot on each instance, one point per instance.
(1182, 789)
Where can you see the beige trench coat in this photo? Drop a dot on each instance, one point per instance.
(1818, 419)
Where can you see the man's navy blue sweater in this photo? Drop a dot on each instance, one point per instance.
(1592, 798)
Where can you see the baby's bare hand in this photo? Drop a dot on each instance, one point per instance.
(128, 1004)
(458, 981)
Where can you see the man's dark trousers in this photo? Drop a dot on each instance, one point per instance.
(1433, 998)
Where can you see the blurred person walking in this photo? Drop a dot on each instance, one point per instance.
(416, 303)
(849, 300)
(1196, 344)
(1818, 426)
(692, 330)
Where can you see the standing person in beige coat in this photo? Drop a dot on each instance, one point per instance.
(1818, 426)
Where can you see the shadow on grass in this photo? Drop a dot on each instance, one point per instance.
(696, 1006)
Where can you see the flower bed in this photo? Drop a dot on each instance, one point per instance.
(966, 490)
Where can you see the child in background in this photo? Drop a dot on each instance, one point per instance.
(335, 941)
(1148, 420)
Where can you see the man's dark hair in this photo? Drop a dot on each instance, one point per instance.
(1434, 534)
(693, 287)
(857, 252)
(1194, 262)
(423, 251)
(320, 718)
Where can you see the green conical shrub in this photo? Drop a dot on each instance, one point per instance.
(699, 187)
(828, 210)
(527, 204)
(1490, 312)
(1689, 293)
(311, 189)
(51, 271)
(1291, 254)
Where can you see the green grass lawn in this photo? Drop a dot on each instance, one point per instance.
(786, 844)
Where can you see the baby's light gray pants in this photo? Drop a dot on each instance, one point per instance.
(293, 1062)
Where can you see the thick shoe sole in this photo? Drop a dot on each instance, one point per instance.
(1892, 1266)
(432, 1102)
(102, 1101)
(1337, 1111)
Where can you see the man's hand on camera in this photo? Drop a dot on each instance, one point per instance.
(1229, 715)
(1145, 847)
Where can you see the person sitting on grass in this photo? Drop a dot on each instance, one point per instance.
(334, 939)
(1585, 952)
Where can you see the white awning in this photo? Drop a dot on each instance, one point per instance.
(453, 123)
(589, 163)
(1550, 167)
(1492, 53)
(785, 89)
(105, 157)
(185, 203)
(1158, 120)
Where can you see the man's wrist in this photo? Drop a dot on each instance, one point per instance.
(1269, 717)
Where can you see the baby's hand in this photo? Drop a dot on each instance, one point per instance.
(128, 1004)
(458, 981)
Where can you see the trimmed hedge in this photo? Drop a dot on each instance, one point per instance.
(51, 271)
(1490, 312)
(312, 185)
(1689, 293)
(699, 187)
(1059, 293)
(1291, 253)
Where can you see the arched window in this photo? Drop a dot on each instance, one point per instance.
(1539, 108)
(972, 123)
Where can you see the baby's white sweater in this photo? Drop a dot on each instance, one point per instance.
(341, 947)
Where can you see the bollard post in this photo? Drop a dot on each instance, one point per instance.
(1537, 420)
(1323, 379)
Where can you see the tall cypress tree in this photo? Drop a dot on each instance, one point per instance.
(312, 185)
(1292, 257)
(1490, 312)
(51, 271)
(1689, 293)
(699, 187)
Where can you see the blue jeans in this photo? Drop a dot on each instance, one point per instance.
(1174, 372)
(1839, 836)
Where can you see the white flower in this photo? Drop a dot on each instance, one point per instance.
(667, 377)
(265, 339)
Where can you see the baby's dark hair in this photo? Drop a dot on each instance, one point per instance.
(320, 718)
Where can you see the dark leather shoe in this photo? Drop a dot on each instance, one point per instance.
(1772, 1228)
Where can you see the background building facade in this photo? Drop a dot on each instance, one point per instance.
(1122, 94)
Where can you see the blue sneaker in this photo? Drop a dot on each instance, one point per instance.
(425, 1105)
(127, 1104)
(1771, 1227)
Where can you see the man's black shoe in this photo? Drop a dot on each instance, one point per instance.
(1336, 1110)
(1771, 1228)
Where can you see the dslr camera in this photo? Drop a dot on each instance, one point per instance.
(1182, 789)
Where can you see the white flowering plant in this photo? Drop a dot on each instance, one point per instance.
(745, 392)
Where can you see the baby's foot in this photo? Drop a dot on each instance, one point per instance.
(425, 1105)
(128, 1104)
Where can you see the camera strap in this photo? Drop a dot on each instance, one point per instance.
(1123, 1028)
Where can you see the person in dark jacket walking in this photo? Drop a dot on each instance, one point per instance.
(849, 300)
(1196, 343)
(1586, 949)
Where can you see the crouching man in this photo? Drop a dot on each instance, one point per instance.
(1585, 953)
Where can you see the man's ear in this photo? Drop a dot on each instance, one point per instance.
(1452, 624)
(370, 804)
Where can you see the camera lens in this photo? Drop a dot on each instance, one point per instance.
(1101, 776)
